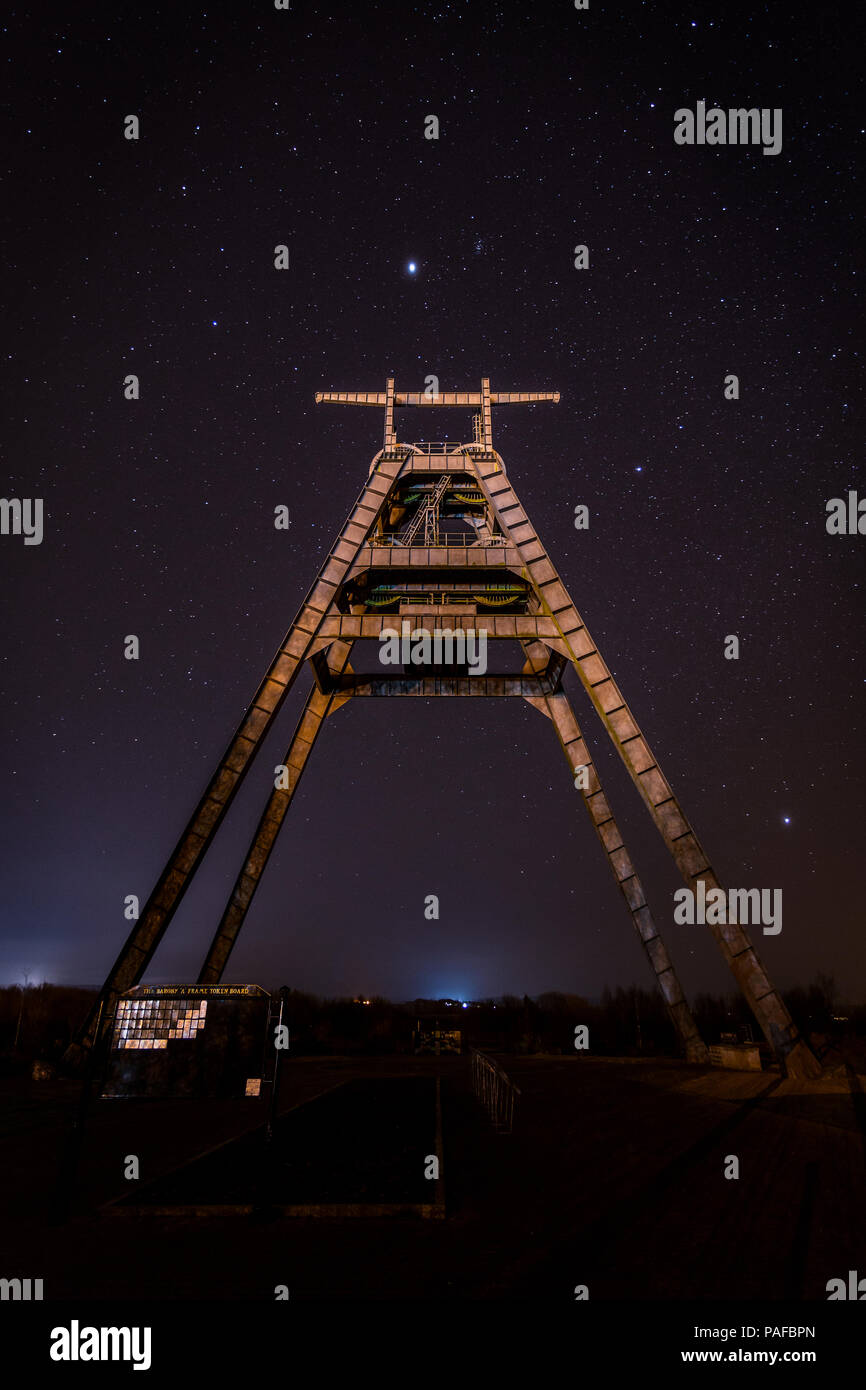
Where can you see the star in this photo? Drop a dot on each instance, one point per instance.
(411, 267)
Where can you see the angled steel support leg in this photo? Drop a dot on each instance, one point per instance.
(572, 639)
(558, 709)
(319, 705)
(300, 641)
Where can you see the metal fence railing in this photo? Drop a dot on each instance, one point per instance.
(452, 539)
(496, 1091)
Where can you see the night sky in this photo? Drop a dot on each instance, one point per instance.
(707, 517)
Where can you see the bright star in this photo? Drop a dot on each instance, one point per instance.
(787, 820)
(411, 267)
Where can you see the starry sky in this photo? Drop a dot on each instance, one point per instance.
(305, 127)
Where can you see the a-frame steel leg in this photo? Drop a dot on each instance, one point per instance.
(558, 709)
(299, 642)
(319, 705)
(575, 643)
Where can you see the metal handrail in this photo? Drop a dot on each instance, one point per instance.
(495, 1089)
(453, 539)
(446, 446)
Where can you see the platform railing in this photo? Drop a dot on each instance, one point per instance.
(442, 446)
(453, 539)
(496, 1091)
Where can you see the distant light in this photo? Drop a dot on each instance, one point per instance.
(411, 267)
(214, 322)
(787, 820)
(466, 1006)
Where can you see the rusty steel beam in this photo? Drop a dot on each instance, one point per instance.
(460, 399)
(429, 687)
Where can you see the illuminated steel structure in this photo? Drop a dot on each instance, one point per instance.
(438, 533)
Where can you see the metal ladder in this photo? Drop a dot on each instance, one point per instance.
(426, 515)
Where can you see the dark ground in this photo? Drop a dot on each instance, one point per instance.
(613, 1178)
